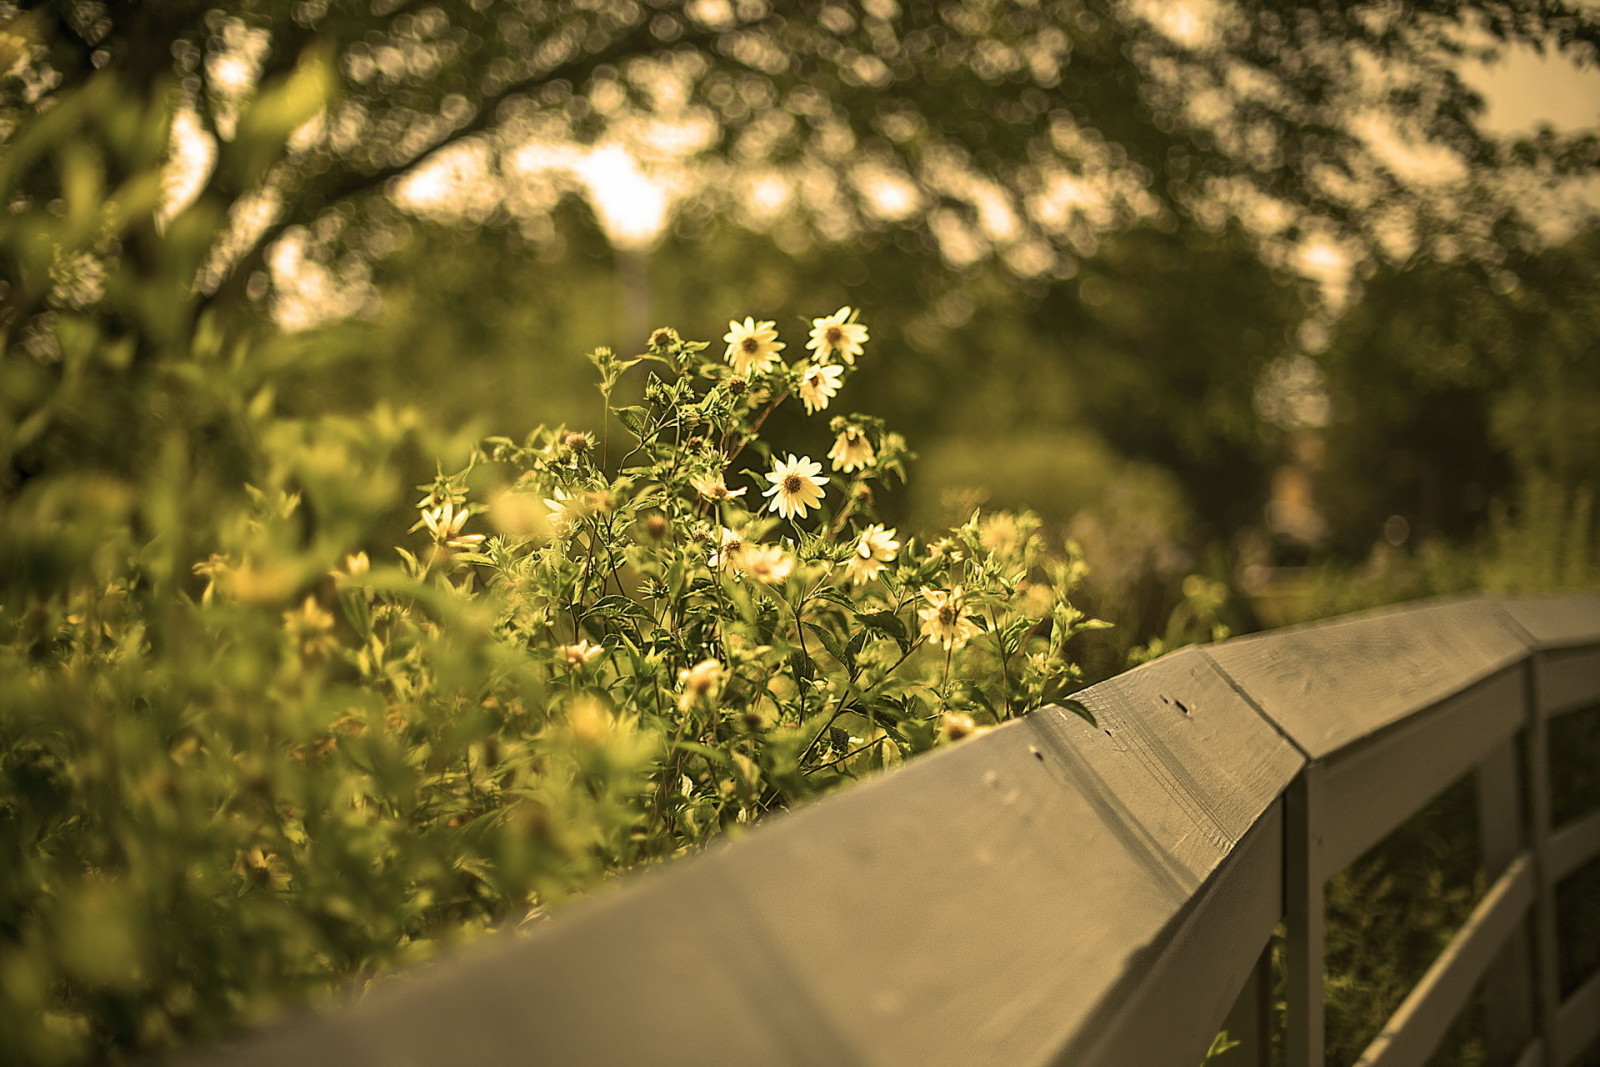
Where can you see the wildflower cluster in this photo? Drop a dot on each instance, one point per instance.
(766, 635)
(248, 753)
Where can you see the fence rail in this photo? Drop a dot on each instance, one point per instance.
(1056, 892)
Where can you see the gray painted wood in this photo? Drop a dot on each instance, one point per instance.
(1249, 1021)
(1413, 1032)
(1546, 956)
(1051, 892)
(1373, 786)
(1557, 620)
(1573, 845)
(1578, 1024)
(1508, 984)
(1304, 914)
(1569, 679)
(1328, 685)
(1077, 846)
(665, 972)
(1168, 1012)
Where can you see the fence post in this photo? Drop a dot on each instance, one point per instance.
(1303, 914)
(1250, 1021)
(1508, 985)
(1546, 985)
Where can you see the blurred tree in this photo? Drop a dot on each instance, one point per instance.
(1453, 389)
(1055, 171)
(1022, 130)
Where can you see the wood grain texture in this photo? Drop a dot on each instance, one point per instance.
(1330, 684)
(1075, 848)
(1410, 1036)
(1166, 1014)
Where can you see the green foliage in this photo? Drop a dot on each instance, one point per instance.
(315, 767)
(1549, 542)
(247, 754)
(1454, 392)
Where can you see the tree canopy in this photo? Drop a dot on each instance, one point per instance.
(1022, 130)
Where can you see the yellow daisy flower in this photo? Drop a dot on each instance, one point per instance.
(767, 564)
(836, 334)
(712, 487)
(852, 451)
(752, 346)
(819, 384)
(701, 683)
(875, 548)
(944, 620)
(796, 485)
(579, 654)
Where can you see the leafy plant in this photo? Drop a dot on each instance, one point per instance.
(301, 767)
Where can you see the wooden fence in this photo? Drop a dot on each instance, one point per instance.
(1060, 893)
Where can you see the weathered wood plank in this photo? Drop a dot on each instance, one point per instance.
(1413, 1032)
(1556, 621)
(1373, 786)
(1189, 759)
(1327, 685)
(1166, 1018)
(1249, 1021)
(1304, 915)
(1569, 679)
(664, 972)
(1546, 989)
(1573, 845)
(978, 906)
(1578, 1024)
(1077, 847)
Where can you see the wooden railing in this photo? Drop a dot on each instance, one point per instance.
(1056, 892)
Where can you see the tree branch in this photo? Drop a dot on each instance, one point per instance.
(637, 41)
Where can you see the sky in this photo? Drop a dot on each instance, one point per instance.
(1526, 89)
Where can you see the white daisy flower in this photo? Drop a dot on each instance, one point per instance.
(579, 654)
(796, 485)
(729, 546)
(712, 487)
(851, 451)
(701, 683)
(874, 548)
(752, 346)
(837, 334)
(767, 564)
(819, 383)
(944, 620)
(445, 523)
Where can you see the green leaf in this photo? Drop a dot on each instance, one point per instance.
(830, 641)
(1078, 708)
(617, 607)
(889, 624)
(634, 419)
